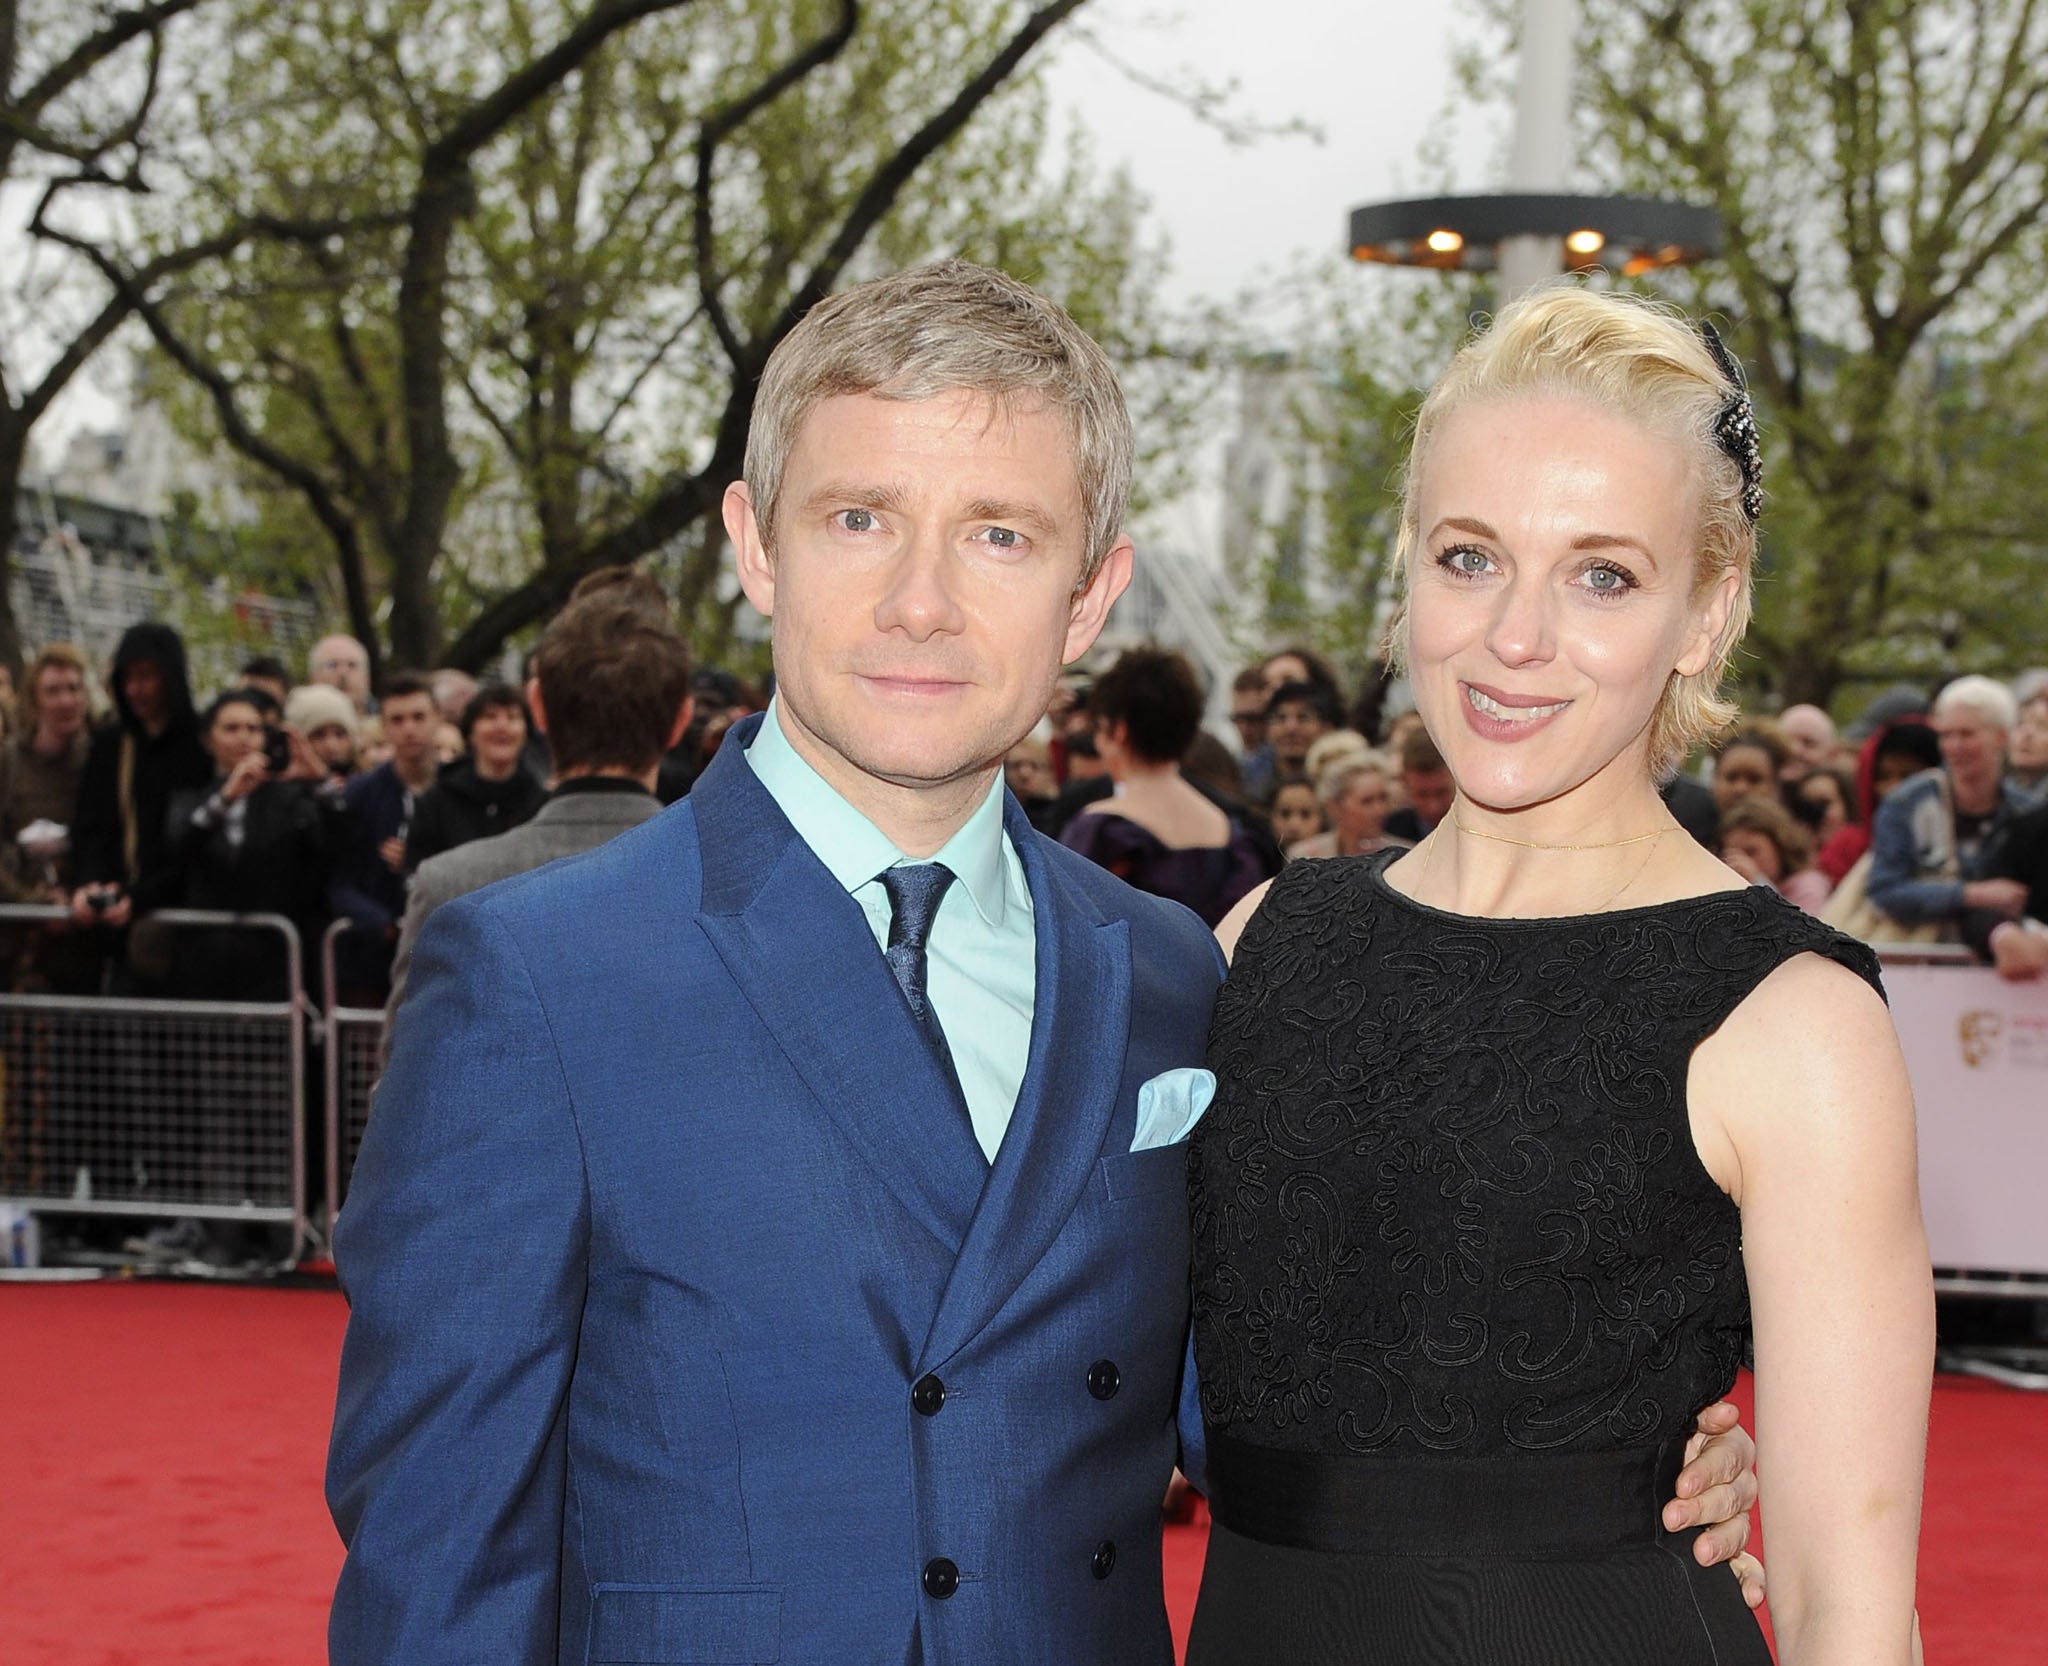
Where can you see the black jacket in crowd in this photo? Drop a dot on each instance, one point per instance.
(461, 805)
(2024, 857)
(278, 865)
(131, 775)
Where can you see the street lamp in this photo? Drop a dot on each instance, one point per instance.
(1467, 234)
(1535, 230)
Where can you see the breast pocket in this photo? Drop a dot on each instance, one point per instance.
(672, 1625)
(1132, 1174)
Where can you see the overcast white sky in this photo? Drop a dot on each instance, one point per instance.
(1375, 77)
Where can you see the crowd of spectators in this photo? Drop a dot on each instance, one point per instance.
(324, 799)
(319, 799)
(1918, 823)
(316, 800)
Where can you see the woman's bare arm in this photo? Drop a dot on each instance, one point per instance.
(1803, 1110)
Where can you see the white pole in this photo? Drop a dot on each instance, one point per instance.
(1541, 161)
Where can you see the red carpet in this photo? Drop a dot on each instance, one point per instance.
(161, 1446)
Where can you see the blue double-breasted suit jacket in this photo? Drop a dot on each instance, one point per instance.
(689, 1323)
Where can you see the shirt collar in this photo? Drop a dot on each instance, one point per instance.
(853, 849)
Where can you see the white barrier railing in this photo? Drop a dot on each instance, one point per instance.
(1976, 1048)
(126, 1105)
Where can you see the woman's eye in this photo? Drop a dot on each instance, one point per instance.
(1463, 561)
(857, 520)
(1608, 581)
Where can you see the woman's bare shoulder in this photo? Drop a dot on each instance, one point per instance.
(1239, 917)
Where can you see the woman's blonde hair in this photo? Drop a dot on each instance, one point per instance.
(1637, 359)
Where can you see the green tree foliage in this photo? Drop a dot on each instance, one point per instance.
(1320, 570)
(1881, 169)
(469, 409)
(81, 96)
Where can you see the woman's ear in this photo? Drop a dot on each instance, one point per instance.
(1709, 626)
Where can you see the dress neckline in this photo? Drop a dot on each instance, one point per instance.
(1376, 876)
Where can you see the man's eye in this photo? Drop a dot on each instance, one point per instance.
(1003, 538)
(857, 520)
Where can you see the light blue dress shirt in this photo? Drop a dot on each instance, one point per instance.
(982, 957)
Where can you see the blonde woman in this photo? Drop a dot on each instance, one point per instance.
(1517, 1134)
(1357, 792)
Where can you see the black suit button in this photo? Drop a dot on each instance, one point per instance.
(1104, 1379)
(1105, 1559)
(942, 1578)
(927, 1396)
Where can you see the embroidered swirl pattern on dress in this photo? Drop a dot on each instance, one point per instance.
(1446, 1198)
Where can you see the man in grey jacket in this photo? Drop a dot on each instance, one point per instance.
(611, 691)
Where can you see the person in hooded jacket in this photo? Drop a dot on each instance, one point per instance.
(1899, 750)
(149, 751)
(486, 791)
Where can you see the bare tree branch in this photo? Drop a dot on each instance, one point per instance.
(714, 132)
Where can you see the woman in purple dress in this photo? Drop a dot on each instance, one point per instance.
(1155, 831)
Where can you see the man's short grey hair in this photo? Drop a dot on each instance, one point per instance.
(1991, 701)
(939, 329)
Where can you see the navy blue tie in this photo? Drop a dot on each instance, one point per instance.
(915, 893)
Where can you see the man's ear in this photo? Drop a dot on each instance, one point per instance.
(750, 549)
(683, 715)
(535, 705)
(1090, 608)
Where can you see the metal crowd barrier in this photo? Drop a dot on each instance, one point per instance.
(354, 1060)
(156, 1106)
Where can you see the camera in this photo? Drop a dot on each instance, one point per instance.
(277, 750)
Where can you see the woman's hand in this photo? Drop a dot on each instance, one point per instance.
(249, 773)
(306, 764)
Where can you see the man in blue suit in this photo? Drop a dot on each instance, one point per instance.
(770, 1240)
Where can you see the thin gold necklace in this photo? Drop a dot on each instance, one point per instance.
(1531, 844)
(1642, 867)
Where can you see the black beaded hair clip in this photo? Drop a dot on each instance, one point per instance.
(1735, 427)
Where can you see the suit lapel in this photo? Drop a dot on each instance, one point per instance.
(1079, 1030)
(800, 950)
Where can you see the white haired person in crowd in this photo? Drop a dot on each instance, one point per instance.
(1357, 794)
(1936, 839)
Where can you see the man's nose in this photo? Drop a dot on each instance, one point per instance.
(920, 595)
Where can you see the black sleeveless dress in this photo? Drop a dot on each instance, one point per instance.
(1461, 1283)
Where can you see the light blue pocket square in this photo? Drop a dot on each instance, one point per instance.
(1170, 1105)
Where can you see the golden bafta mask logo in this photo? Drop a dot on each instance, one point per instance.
(1979, 1032)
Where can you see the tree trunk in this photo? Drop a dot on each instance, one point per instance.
(416, 639)
(13, 454)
